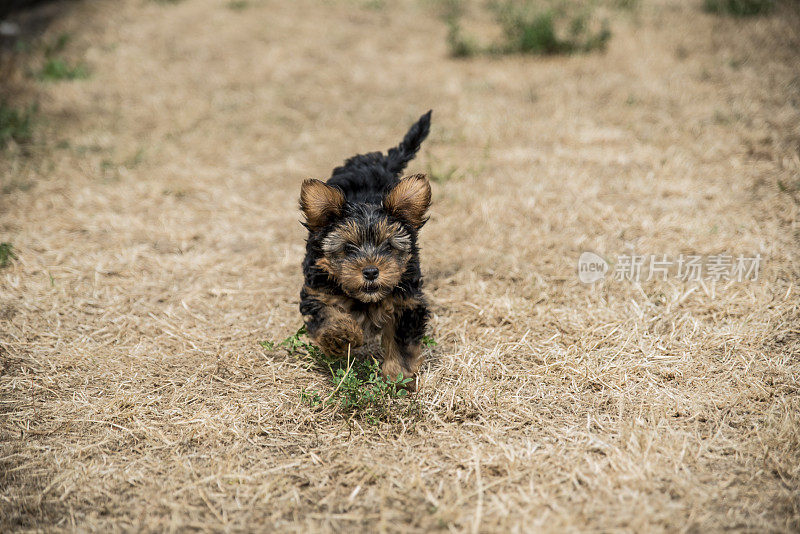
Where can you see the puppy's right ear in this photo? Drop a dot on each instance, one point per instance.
(320, 202)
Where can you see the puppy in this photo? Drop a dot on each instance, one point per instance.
(361, 270)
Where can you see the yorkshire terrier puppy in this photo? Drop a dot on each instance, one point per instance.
(361, 271)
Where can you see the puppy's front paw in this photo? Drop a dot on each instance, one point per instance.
(338, 335)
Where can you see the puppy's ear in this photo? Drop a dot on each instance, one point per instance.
(410, 199)
(320, 202)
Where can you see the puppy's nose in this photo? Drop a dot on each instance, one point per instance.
(370, 273)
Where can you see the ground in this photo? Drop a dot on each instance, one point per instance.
(155, 222)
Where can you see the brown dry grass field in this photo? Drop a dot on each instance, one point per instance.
(157, 236)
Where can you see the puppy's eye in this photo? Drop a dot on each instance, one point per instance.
(350, 248)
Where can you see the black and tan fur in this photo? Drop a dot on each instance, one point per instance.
(361, 271)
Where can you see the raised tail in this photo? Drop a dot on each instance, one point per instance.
(397, 158)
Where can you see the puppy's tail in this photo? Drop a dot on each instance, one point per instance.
(397, 158)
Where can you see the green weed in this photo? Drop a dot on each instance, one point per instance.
(6, 254)
(294, 344)
(739, 8)
(460, 45)
(56, 68)
(429, 341)
(531, 28)
(16, 124)
(358, 387)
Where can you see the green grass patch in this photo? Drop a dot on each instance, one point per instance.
(531, 28)
(57, 69)
(16, 124)
(357, 387)
(238, 5)
(461, 45)
(530, 33)
(739, 8)
(6, 254)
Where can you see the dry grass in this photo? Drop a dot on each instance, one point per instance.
(155, 225)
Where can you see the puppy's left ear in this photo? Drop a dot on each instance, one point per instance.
(320, 202)
(410, 199)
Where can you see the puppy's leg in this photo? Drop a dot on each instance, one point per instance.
(328, 324)
(401, 339)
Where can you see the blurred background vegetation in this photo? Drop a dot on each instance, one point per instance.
(475, 28)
